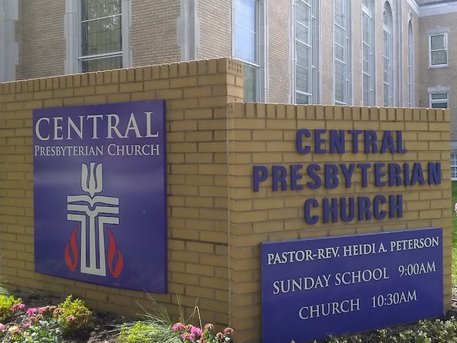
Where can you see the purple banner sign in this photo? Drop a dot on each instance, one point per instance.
(338, 285)
(100, 194)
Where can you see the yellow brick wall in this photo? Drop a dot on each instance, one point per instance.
(264, 134)
(196, 95)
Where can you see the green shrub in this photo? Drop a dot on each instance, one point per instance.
(141, 332)
(74, 315)
(425, 331)
(6, 304)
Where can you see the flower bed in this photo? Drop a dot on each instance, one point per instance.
(70, 321)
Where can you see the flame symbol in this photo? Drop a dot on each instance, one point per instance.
(111, 253)
(74, 249)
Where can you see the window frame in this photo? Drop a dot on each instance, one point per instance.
(347, 54)
(73, 35)
(430, 51)
(85, 58)
(410, 65)
(370, 87)
(256, 65)
(312, 46)
(388, 56)
(436, 101)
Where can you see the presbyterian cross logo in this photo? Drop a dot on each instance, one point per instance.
(93, 212)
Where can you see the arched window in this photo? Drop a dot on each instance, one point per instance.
(342, 51)
(410, 64)
(306, 51)
(388, 55)
(368, 53)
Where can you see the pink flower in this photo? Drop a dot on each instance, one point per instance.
(228, 331)
(71, 318)
(196, 330)
(16, 307)
(188, 337)
(57, 311)
(46, 309)
(35, 318)
(178, 326)
(31, 311)
(455, 208)
(2, 327)
(26, 325)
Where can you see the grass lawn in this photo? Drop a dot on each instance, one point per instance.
(454, 234)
